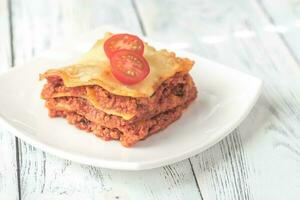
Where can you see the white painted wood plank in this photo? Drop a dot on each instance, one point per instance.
(260, 160)
(285, 16)
(5, 57)
(48, 177)
(8, 169)
(37, 26)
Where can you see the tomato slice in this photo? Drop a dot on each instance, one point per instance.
(129, 67)
(123, 41)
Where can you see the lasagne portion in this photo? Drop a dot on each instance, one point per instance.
(93, 99)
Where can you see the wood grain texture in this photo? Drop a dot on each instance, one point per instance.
(260, 159)
(284, 15)
(8, 169)
(47, 177)
(5, 51)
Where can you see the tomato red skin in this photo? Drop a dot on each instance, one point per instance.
(140, 74)
(126, 39)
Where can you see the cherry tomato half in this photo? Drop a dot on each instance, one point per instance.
(129, 67)
(122, 42)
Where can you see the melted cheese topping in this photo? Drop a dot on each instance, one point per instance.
(93, 68)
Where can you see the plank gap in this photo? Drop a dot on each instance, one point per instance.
(138, 16)
(11, 34)
(18, 166)
(196, 181)
(12, 63)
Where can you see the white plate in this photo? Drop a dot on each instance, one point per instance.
(225, 98)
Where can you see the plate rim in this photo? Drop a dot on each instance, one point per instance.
(134, 166)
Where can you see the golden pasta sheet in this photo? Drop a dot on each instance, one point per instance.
(93, 68)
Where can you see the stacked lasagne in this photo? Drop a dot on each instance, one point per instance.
(90, 97)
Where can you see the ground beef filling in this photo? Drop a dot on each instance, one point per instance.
(173, 92)
(128, 135)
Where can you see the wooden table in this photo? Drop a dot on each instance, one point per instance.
(259, 160)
